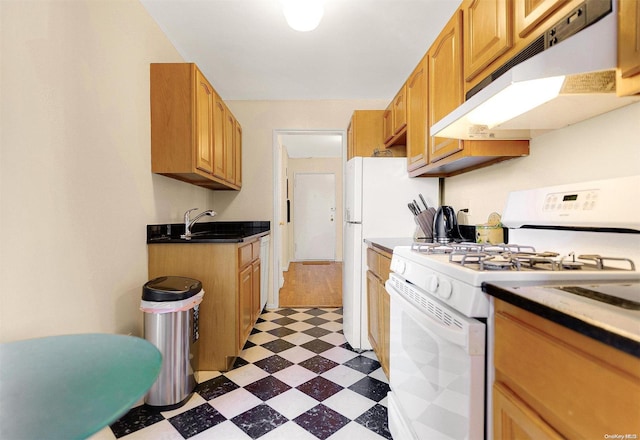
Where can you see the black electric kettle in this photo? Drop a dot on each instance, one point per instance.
(445, 225)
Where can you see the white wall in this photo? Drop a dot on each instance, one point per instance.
(602, 147)
(76, 190)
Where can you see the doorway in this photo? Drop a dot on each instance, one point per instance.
(314, 211)
(298, 153)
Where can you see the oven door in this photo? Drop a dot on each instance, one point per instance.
(437, 364)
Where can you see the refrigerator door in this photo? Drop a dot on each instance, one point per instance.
(386, 191)
(353, 301)
(353, 191)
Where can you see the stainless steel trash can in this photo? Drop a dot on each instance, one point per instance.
(170, 305)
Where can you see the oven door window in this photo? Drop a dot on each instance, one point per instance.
(437, 376)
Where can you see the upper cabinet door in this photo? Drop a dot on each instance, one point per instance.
(229, 147)
(530, 13)
(204, 122)
(445, 83)
(417, 126)
(219, 153)
(399, 111)
(238, 150)
(488, 33)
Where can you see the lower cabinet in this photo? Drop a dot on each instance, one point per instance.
(230, 276)
(378, 304)
(552, 382)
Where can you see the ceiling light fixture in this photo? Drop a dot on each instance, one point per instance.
(303, 15)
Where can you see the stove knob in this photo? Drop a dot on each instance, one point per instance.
(399, 267)
(445, 289)
(432, 284)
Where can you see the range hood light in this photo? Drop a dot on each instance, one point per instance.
(518, 98)
(303, 15)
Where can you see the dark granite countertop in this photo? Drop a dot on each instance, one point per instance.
(387, 244)
(513, 293)
(208, 232)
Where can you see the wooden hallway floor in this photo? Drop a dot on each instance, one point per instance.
(312, 284)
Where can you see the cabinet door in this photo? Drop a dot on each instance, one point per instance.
(628, 82)
(238, 150)
(417, 127)
(255, 292)
(488, 34)
(445, 83)
(530, 13)
(373, 312)
(219, 122)
(399, 111)
(513, 419)
(204, 123)
(387, 124)
(229, 144)
(245, 292)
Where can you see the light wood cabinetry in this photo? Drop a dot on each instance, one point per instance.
(417, 97)
(399, 111)
(552, 382)
(495, 31)
(205, 97)
(445, 83)
(387, 124)
(395, 120)
(365, 134)
(531, 13)
(188, 122)
(378, 301)
(628, 73)
(487, 33)
(448, 157)
(230, 276)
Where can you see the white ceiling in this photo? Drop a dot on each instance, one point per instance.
(362, 49)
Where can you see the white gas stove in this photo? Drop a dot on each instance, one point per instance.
(571, 233)
(577, 245)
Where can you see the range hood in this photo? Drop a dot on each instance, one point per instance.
(569, 82)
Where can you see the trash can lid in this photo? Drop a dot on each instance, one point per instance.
(171, 288)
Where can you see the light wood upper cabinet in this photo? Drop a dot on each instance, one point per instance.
(417, 127)
(400, 111)
(229, 147)
(387, 123)
(487, 33)
(219, 138)
(365, 134)
(204, 123)
(188, 127)
(445, 83)
(628, 75)
(530, 13)
(238, 151)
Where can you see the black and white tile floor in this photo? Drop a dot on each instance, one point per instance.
(296, 379)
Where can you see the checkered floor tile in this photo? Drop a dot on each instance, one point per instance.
(297, 378)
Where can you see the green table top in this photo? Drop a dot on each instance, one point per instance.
(72, 386)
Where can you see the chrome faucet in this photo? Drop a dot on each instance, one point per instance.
(188, 222)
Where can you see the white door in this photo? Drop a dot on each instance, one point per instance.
(314, 211)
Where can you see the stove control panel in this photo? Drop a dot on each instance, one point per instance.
(567, 201)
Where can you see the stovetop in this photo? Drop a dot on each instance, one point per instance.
(514, 257)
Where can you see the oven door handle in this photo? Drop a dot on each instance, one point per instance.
(466, 333)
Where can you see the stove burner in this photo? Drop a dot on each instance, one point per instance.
(478, 256)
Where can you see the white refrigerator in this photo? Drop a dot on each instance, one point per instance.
(377, 192)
